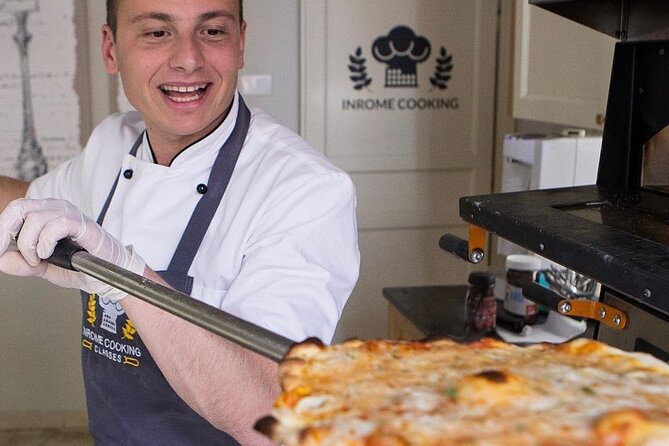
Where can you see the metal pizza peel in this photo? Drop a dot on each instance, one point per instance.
(71, 256)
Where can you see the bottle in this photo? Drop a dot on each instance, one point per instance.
(521, 269)
(480, 304)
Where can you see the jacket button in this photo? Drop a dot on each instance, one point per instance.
(202, 189)
(127, 173)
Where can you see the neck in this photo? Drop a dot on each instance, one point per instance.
(165, 151)
(163, 155)
(166, 147)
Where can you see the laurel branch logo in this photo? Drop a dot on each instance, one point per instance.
(358, 70)
(128, 330)
(442, 72)
(91, 311)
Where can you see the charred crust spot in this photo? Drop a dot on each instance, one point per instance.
(494, 376)
(303, 348)
(266, 425)
(314, 341)
(307, 343)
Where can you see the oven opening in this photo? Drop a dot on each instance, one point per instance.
(650, 224)
(655, 164)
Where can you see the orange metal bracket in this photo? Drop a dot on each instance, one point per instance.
(477, 242)
(606, 314)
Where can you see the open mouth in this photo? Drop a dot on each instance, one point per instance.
(183, 93)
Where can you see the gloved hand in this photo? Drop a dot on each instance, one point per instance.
(42, 223)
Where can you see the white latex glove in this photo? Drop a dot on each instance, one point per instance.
(42, 223)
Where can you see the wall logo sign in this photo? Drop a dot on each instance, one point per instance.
(404, 54)
(402, 50)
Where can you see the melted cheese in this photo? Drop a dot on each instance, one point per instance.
(489, 393)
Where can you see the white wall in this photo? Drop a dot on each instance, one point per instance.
(40, 375)
(272, 47)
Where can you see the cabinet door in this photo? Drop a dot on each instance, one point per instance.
(410, 155)
(561, 69)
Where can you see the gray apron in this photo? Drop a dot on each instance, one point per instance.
(129, 400)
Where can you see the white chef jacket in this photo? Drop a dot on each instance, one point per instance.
(281, 250)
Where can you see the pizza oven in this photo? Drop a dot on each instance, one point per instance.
(617, 231)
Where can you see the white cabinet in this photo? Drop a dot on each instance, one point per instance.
(561, 69)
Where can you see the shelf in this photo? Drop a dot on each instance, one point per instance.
(618, 237)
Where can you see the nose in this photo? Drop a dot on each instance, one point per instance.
(186, 55)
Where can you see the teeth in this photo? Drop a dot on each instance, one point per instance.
(196, 90)
(183, 89)
(188, 99)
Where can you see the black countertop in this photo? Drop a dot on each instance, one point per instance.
(437, 311)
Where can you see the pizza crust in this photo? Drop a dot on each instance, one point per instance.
(487, 393)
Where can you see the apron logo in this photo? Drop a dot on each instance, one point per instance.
(110, 312)
(91, 311)
(97, 342)
(128, 330)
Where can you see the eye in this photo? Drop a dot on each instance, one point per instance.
(214, 33)
(156, 34)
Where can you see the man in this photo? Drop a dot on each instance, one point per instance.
(200, 193)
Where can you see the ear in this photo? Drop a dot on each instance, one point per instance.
(109, 55)
(242, 42)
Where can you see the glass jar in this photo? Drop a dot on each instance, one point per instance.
(521, 269)
(480, 304)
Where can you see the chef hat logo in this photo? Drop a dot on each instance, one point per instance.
(402, 50)
(111, 311)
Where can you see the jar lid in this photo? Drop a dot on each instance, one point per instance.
(481, 278)
(523, 262)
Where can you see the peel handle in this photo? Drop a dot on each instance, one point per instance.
(70, 255)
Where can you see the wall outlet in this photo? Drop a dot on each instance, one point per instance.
(255, 84)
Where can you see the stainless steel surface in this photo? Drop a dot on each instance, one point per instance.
(642, 325)
(569, 283)
(476, 256)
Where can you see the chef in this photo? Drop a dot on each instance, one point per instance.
(198, 191)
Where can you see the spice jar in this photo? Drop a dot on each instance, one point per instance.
(481, 304)
(521, 270)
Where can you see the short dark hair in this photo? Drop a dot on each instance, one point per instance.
(112, 12)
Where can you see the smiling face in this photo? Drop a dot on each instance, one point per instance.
(178, 61)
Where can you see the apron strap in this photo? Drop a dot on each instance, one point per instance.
(219, 177)
(105, 207)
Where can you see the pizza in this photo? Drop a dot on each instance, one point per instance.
(484, 393)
